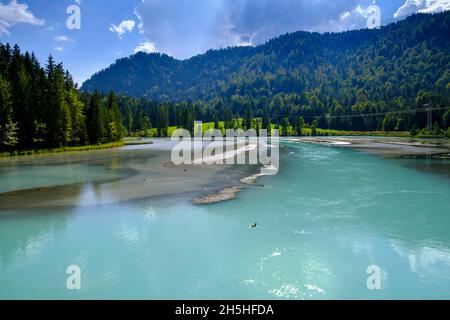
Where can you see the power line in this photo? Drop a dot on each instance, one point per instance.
(377, 114)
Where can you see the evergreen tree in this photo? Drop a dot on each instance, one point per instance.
(248, 119)
(266, 121)
(314, 125)
(94, 120)
(300, 124)
(115, 126)
(285, 127)
(228, 118)
(216, 121)
(19, 93)
(76, 108)
(58, 122)
(43, 107)
(163, 121)
(8, 129)
(189, 121)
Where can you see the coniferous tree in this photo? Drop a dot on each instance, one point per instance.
(189, 121)
(8, 129)
(314, 125)
(216, 121)
(19, 93)
(266, 121)
(94, 120)
(163, 121)
(58, 124)
(115, 126)
(248, 119)
(43, 107)
(285, 127)
(228, 118)
(300, 124)
(77, 113)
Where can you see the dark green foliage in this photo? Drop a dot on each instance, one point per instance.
(314, 125)
(285, 127)
(162, 117)
(299, 125)
(216, 121)
(248, 118)
(95, 121)
(266, 121)
(8, 129)
(42, 108)
(114, 126)
(228, 118)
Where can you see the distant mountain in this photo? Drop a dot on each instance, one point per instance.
(396, 60)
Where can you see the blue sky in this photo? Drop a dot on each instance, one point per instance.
(180, 28)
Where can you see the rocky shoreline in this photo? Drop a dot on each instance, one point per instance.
(229, 193)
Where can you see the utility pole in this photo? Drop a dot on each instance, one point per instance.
(429, 128)
(430, 116)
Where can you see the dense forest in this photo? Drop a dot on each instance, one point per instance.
(362, 80)
(149, 118)
(357, 80)
(42, 107)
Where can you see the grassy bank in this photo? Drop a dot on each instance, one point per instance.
(133, 141)
(63, 149)
(308, 131)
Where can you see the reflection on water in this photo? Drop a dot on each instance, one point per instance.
(322, 221)
(105, 177)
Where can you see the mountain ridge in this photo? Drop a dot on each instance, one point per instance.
(295, 62)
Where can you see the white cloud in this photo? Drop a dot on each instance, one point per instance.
(345, 15)
(409, 7)
(15, 13)
(436, 6)
(62, 38)
(183, 28)
(123, 27)
(148, 47)
(60, 49)
(355, 19)
(422, 6)
(351, 19)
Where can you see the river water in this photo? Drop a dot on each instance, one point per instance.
(127, 220)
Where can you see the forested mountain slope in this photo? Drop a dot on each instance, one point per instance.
(398, 67)
(393, 61)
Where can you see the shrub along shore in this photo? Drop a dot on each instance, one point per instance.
(110, 145)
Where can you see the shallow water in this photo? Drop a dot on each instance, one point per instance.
(328, 215)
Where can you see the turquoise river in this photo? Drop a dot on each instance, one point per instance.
(326, 217)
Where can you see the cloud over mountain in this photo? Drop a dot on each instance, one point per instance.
(183, 28)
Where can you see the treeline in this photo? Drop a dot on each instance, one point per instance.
(290, 113)
(150, 118)
(41, 107)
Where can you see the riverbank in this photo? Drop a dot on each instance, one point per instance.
(104, 146)
(131, 141)
(390, 147)
(341, 133)
(131, 173)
